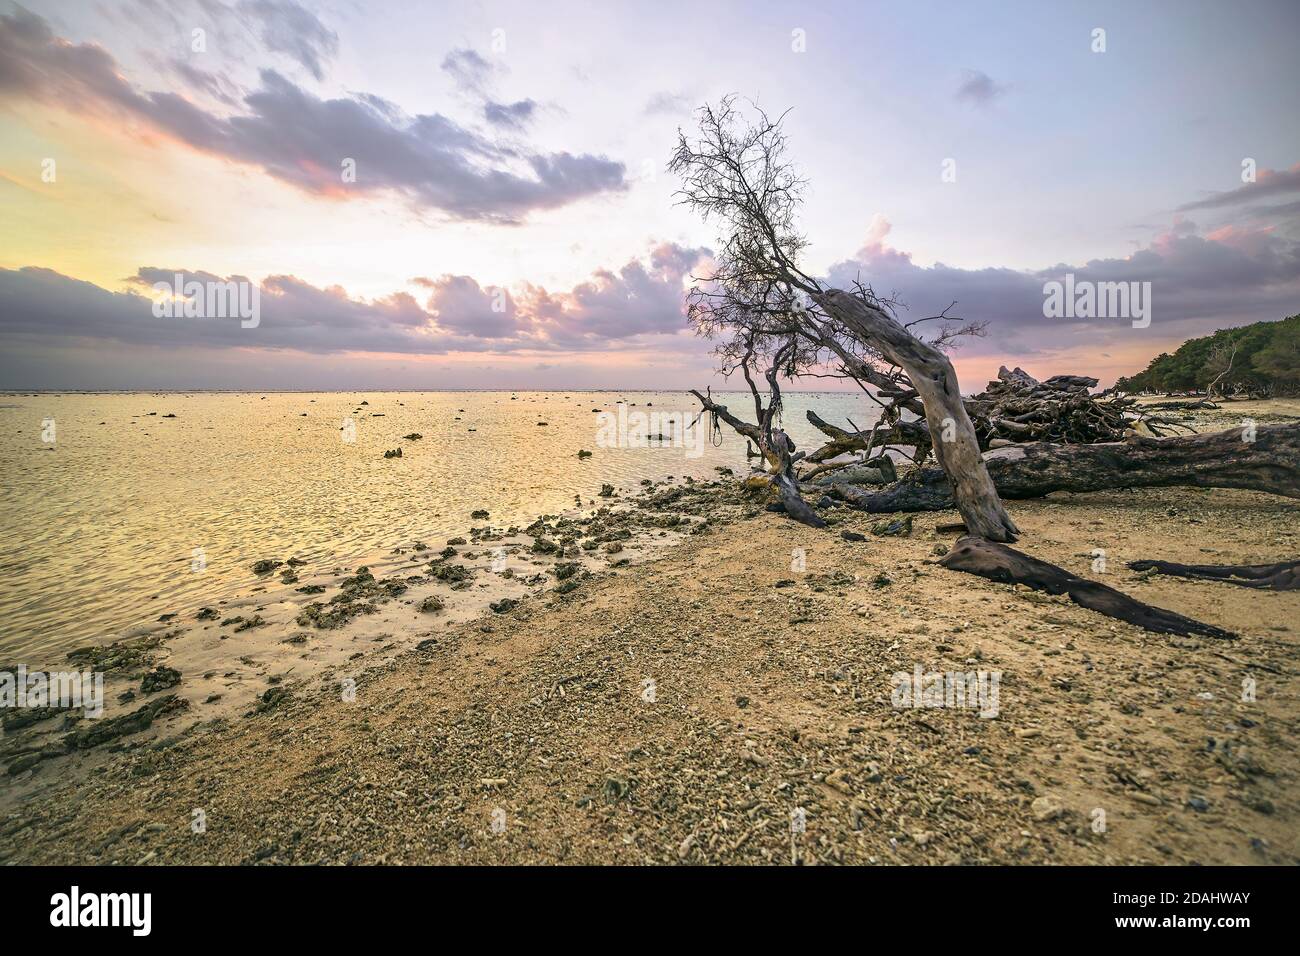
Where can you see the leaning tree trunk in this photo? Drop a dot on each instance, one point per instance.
(933, 377)
(1271, 462)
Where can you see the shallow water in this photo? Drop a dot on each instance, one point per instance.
(99, 534)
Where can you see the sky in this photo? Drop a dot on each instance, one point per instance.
(474, 195)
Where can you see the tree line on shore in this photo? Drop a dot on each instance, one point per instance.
(1260, 361)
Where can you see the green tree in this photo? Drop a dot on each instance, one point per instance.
(1259, 359)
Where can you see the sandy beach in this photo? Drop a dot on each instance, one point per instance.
(713, 699)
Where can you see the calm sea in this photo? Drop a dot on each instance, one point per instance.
(127, 514)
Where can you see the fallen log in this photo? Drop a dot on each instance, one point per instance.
(1283, 576)
(997, 562)
(913, 434)
(1271, 462)
(1200, 403)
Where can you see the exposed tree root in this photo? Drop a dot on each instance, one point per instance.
(997, 562)
(1283, 576)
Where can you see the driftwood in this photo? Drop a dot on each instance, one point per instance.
(913, 434)
(932, 376)
(1015, 409)
(773, 443)
(1283, 576)
(1019, 408)
(1200, 403)
(1271, 462)
(997, 562)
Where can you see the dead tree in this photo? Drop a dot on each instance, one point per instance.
(774, 445)
(843, 442)
(1221, 357)
(1267, 459)
(932, 375)
(1283, 576)
(736, 173)
(1018, 408)
(997, 562)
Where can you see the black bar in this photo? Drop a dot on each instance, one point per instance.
(942, 906)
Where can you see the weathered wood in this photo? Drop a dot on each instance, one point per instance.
(997, 562)
(779, 452)
(1018, 408)
(1271, 462)
(932, 376)
(1283, 576)
(786, 485)
(912, 434)
(1200, 403)
(1014, 409)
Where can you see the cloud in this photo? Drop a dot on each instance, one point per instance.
(642, 300)
(302, 139)
(44, 305)
(513, 115)
(1199, 282)
(460, 305)
(638, 299)
(287, 27)
(214, 85)
(473, 75)
(669, 104)
(468, 68)
(978, 88)
(1269, 184)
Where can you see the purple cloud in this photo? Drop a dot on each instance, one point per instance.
(1229, 276)
(302, 139)
(978, 88)
(638, 301)
(511, 115)
(289, 28)
(1269, 184)
(468, 68)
